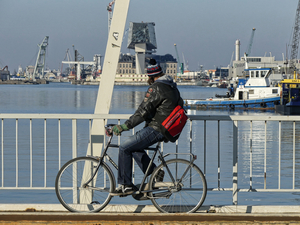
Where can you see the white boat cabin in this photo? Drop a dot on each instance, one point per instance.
(257, 86)
(258, 77)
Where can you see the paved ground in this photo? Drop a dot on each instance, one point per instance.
(146, 218)
(148, 215)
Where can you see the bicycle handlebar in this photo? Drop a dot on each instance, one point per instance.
(108, 129)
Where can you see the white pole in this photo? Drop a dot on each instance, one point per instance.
(105, 91)
(110, 64)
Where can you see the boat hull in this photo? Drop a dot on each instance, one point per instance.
(231, 103)
(287, 109)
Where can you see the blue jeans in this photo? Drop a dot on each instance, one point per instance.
(134, 147)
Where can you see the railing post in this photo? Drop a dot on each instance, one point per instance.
(74, 138)
(235, 164)
(74, 155)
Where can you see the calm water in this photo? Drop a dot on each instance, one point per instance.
(67, 98)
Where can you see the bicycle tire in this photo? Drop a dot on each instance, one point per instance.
(186, 196)
(76, 198)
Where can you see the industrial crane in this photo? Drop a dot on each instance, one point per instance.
(295, 42)
(5, 67)
(181, 66)
(41, 58)
(69, 59)
(250, 42)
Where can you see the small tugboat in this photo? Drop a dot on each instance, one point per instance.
(256, 92)
(290, 97)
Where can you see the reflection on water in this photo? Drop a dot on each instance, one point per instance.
(67, 98)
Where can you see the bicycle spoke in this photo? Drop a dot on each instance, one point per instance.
(186, 194)
(77, 198)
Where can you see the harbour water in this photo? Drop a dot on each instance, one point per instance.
(67, 98)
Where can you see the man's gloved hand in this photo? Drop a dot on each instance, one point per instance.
(118, 129)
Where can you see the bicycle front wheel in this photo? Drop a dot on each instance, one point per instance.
(77, 197)
(183, 189)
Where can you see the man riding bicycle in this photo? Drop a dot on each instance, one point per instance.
(160, 99)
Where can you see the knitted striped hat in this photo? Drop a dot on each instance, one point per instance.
(153, 69)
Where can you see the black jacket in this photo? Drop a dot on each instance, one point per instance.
(160, 100)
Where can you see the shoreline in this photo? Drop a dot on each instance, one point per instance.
(42, 81)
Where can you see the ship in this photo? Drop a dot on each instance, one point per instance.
(255, 91)
(290, 97)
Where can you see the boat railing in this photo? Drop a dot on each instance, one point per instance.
(238, 153)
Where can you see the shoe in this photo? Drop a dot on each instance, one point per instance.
(124, 190)
(160, 176)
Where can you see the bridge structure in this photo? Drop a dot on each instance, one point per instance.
(41, 143)
(49, 140)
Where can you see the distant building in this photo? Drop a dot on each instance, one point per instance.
(29, 71)
(168, 63)
(126, 70)
(280, 69)
(221, 72)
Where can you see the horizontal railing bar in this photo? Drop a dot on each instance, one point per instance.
(126, 116)
(265, 118)
(254, 190)
(268, 190)
(63, 116)
(209, 117)
(27, 188)
(244, 118)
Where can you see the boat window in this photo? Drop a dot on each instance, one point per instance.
(257, 73)
(251, 91)
(274, 91)
(263, 73)
(252, 73)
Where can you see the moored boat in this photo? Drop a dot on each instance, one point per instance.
(256, 92)
(290, 97)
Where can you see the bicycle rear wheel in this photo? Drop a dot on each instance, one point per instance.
(73, 195)
(183, 195)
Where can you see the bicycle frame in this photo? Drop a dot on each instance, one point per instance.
(155, 149)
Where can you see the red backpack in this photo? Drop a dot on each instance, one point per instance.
(174, 123)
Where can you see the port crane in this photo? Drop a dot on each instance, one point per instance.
(41, 58)
(295, 41)
(248, 52)
(67, 55)
(5, 67)
(181, 66)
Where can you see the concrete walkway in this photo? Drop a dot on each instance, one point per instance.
(146, 218)
(148, 215)
(228, 209)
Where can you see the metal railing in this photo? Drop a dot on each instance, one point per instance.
(35, 146)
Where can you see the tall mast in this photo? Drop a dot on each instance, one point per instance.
(295, 43)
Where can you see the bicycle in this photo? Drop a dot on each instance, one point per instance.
(84, 184)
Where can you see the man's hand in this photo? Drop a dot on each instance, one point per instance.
(118, 129)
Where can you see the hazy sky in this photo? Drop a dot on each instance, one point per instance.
(205, 31)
